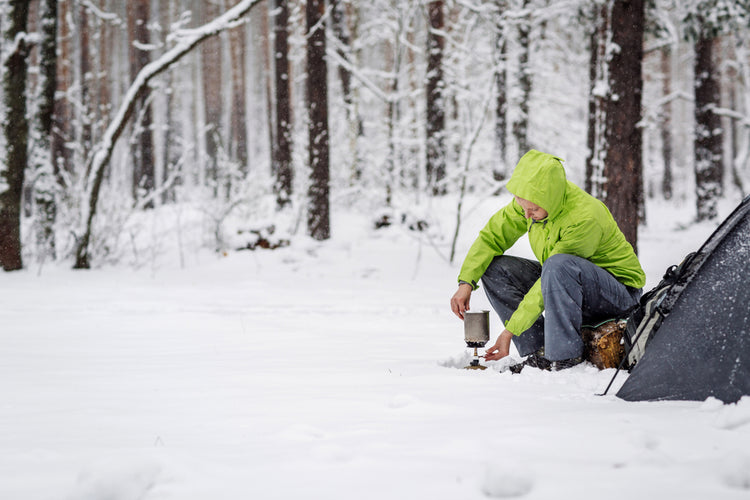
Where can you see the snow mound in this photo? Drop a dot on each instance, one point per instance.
(734, 416)
(507, 480)
(118, 479)
(736, 472)
(458, 361)
(464, 359)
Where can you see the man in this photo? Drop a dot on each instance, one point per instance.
(586, 269)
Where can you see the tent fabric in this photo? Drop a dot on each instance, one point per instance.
(702, 348)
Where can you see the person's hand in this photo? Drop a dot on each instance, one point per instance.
(460, 300)
(501, 347)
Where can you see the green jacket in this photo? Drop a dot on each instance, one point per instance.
(577, 224)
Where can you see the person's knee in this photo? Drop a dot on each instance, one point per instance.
(498, 268)
(501, 262)
(560, 267)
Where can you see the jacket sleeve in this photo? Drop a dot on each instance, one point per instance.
(527, 311)
(501, 232)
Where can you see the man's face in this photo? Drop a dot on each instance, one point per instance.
(531, 210)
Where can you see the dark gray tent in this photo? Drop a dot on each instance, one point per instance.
(702, 347)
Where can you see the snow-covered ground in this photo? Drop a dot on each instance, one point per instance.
(326, 371)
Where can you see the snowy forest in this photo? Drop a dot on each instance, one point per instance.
(258, 119)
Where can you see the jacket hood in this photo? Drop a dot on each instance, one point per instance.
(540, 178)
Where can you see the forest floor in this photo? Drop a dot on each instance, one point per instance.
(327, 371)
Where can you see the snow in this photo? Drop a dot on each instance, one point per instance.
(327, 371)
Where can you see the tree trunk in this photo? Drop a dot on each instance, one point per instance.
(318, 214)
(108, 55)
(735, 129)
(62, 117)
(521, 123)
(598, 76)
(143, 149)
(47, 66)
(435, 166)
(16, 131)
(342, 13)
(665, 125)
(338, 25)
(282, 147)
(501, 102)
(624, 167)
(85, 83)
(212, 77)
(267, 77)
(167, 128)
(45, 185)
(708, 133)
(238, 117)
(392, 116)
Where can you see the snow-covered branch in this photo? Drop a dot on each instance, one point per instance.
(98, 162)
(356, 73)
(104, 16)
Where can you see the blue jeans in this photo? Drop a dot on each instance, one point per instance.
(575, 292)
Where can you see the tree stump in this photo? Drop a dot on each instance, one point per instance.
(602, 343)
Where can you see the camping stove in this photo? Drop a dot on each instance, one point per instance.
(476, 334)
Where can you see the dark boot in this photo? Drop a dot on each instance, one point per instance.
(565, 364)
(534, 360)
(537, 360)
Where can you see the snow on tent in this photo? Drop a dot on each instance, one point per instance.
(702, 346)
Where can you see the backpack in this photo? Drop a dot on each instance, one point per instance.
(654, 306)
(648, 315)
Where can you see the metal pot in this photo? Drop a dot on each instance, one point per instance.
(476, 328)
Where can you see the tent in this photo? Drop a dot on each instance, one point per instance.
(702, 347)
